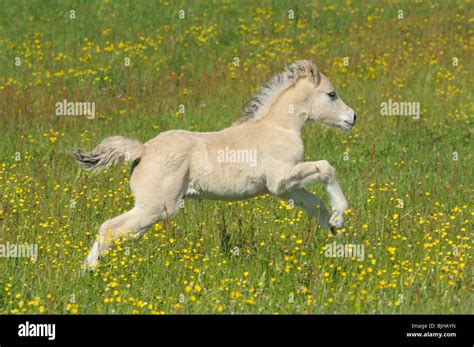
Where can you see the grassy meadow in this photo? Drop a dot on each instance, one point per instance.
(150, 68)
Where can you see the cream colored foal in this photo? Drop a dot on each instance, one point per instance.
(262, 152)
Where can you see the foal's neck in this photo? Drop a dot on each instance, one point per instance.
(287, 112)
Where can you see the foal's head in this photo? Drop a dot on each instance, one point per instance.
(324, 104)
(311, 96)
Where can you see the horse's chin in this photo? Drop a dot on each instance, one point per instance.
(341, 127)
(345, 127)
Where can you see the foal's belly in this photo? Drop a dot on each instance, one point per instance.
(227, 191)
(222, 197)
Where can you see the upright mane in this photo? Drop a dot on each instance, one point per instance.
(270, 90)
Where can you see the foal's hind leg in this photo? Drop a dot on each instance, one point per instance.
(158, 189)
(128, 224)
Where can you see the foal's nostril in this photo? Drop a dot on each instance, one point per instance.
(355, 117)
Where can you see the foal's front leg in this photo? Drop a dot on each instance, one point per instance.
(310, 203)
(337, 199)
(284, 181)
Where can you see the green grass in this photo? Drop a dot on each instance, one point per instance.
(418, 259)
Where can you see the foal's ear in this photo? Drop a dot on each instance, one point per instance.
(314, 73)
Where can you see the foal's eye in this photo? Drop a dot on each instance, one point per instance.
(332, 95)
